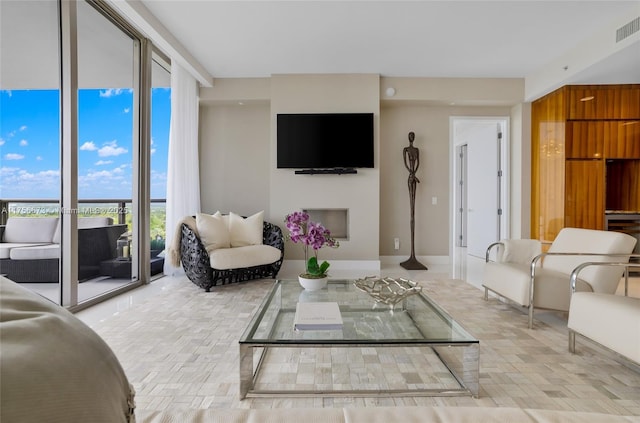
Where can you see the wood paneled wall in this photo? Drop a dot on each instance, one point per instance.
(585, 156)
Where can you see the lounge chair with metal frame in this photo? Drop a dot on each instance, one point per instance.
(611, 321)
(530, 278)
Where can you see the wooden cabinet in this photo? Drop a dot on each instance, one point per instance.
(584, 205)
(585, 142)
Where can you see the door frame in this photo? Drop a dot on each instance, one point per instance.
(454, 165)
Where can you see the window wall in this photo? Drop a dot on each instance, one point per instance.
(81, 143)
(30, 140)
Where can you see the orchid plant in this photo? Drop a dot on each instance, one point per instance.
(311, 235)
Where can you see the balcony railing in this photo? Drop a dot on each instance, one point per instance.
(118, 208)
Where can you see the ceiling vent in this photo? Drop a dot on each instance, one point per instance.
(628, 30)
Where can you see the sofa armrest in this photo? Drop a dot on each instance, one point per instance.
(195, 259)
(626, 265)
(98, 244)
(272, 235)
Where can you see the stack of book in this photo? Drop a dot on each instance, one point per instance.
(317, 316)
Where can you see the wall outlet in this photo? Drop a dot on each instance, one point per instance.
(434, 200)
(396, 243)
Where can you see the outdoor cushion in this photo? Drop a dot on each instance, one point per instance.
(36, 252)
(94, 222)
(241, 257)
(29, 229)
(6, 247)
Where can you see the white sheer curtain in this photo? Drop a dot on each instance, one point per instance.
(183, 175)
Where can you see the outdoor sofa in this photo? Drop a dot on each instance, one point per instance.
(30, 247)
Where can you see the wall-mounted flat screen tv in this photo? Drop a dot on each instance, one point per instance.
(325, 140)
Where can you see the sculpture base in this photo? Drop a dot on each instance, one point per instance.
(413, 264)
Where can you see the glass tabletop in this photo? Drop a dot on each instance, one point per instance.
(416, 320)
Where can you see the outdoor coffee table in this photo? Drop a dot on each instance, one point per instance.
(416, 322)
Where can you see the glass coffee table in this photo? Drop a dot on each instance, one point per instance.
(421, 336)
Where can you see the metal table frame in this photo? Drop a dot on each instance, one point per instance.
(462, 359)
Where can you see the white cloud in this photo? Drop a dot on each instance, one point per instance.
(13, 156)
(39, 158)
(88, 146)
(111, 149)
(153, 150)
(24, 143)
(127, 110)
(110, 92)
(1, 141)
(17, 181)
(23, 128)
(103, 162)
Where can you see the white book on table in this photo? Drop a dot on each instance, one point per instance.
(317, 316)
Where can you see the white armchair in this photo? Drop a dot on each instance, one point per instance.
(617, 326)
(530, 278)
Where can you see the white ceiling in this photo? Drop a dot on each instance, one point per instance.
(505, 39)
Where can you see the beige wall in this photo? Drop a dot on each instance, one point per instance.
(432, 222)
(234, 158)
(359, 193)
(238, 155)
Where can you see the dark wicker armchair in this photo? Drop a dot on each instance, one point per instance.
(197, 267)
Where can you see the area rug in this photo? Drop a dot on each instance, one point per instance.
(179, 348)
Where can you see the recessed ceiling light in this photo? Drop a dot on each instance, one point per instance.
(588, 98)
(240, 103)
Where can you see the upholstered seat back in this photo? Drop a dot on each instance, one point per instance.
(602, 279)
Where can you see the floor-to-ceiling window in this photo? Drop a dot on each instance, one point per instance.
(108, 62)
(98, 60)
(30, 138)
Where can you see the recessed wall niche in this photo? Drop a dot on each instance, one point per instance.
(336, 220)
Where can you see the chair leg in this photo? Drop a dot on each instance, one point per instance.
(486, 293)
(530, 316)
(572, 342)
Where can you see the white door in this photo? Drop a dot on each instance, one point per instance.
(483, 187)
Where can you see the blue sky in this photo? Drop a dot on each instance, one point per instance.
(30, 146)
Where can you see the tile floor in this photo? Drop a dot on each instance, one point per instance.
(179, 348)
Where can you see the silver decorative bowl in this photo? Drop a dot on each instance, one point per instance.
(387, 290)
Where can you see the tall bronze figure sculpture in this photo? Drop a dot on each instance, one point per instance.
(411, 156)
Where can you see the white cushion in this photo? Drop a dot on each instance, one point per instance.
(37, 252)
(512, 280)
(6, 247)
(56, 235)
(213, 231)
(84, 223)
(508, 279)
(240, 257)
(518, 250)
(54, 367)
(603, 279)
(94, 222)
(610, 320)
(30, 229)
(246, 231)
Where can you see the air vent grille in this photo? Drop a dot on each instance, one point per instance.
(628, 29)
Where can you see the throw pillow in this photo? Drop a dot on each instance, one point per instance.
(246, 231)
(213, 230)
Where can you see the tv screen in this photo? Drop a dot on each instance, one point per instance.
(325, 140)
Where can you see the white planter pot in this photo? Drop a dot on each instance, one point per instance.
(312, 284)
